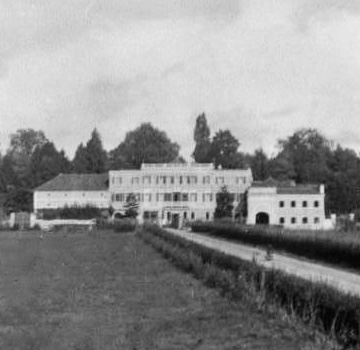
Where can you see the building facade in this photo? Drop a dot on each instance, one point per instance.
(284, 203)
(73, 190)
(170, 193)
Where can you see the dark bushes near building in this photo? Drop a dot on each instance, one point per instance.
(319, 305)
(79, 213)
(319, 246)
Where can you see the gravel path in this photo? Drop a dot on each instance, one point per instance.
(341, 279)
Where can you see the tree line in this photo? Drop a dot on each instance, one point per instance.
(307, 156)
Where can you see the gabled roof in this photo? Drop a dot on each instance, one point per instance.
(76, 182)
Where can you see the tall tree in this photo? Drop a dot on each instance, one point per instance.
(260, 165)
(91, 158)
(309, 153)
(46, 163)
(97, 156)
(202, 151)
(22, 145)
(224, 150)
(80, 161)
(145, 144)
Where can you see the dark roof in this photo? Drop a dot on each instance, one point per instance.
(76, 182)
(288, 186)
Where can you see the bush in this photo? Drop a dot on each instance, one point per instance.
(313, 245)
(322, 306)
(124, 225)
(80, 213)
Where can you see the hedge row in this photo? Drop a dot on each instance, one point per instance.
(313, 246)
(75, 212)
(321, 306)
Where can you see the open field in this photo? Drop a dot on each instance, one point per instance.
(111, 291)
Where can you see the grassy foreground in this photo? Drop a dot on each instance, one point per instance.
(111, 291)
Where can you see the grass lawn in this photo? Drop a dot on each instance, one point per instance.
(111, 291)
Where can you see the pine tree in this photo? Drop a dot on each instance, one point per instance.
(202, 149)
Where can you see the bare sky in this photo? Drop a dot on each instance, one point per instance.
(263, 69)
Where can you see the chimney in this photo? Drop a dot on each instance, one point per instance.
(322, 189)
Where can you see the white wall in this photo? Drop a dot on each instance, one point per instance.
(60, 199)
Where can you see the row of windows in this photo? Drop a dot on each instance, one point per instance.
(190, 180)
(153, 215)
(304, 220)
(171, 197)
(293, 204)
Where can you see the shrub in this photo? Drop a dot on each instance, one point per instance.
(320, 305)
(321, 246)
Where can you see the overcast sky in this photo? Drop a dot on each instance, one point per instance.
(262, 69)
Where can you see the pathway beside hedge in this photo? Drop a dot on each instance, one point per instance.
(338, 278)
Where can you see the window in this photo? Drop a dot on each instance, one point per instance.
(135, 181)
(316, 204)
(293, 204)
(293, 220)
(316, 220)
(192, 216)
(169, 216)
(177, 197)
(113, 198)
(203, 197)
(181, 180)
(219, 180)
(147, 197)
(207, 215)
(193, 197)
(172, 179)
(119, 180)
(281, 204)
(304, 220)
(282, 220)
(185, 197)
(206, 180)
(241, 180)
(120, 197)
(304, 204)
(147, 180)
(167, 197)
(185, 215)
(113, 179)
(162, 179)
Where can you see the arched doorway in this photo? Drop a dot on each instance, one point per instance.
(262, 218)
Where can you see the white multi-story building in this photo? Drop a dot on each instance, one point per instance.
(173, 192)
(284, 203)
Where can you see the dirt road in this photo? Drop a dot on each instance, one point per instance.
(341, 279)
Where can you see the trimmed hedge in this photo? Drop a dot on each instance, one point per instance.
(81, 213)
(314, 246)
(322, 306)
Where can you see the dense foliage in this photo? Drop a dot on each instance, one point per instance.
(224, 204)
(79, 213)
(317, 304)
(330, 248)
